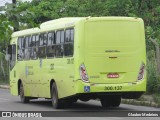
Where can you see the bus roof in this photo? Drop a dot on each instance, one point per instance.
(63, 23)
(57, 23)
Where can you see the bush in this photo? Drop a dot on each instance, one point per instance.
(156, 98)
(3, 78)
(151, 73)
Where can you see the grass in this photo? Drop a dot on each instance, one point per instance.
(144, 100)
(156, 98)
(3, 82)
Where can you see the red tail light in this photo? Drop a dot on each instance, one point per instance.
(83, 73)
(141, 72)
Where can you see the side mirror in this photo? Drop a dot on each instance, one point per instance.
(9, 49)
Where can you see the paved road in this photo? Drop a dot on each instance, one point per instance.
(12, 103)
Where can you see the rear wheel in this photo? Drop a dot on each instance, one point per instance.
(69, 101)
(105, 101)
(110, 101)
(116, 101)
(23, 98)
(56, 103)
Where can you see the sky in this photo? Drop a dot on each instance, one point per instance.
(2, 2)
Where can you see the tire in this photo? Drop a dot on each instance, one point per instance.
(74, 100)
(23, 98)
(56, 103)
(106, 101)
(116, 101)
(69, 102)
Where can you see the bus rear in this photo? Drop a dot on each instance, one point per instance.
(114, 58)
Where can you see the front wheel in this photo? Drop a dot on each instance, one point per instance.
(23, 98)
(56, 103)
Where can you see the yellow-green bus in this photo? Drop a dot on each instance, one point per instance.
(79, 58)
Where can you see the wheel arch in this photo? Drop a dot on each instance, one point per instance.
(51, 83)
(19, 83)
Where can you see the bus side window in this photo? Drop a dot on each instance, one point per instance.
(58, 37)
(41, 40)
(69, 39)
(13, 57)
(29, 41)
(34, 47)
(51, 44)
(27, 49)
(72, 35)
(67, 36)
(37, 40)
(59, 43)
(20, 54)
(45, 39)
(42, 45)
(33, 41)
(19, 43)
(62, 36)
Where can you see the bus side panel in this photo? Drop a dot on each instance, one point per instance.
(13, 83)
(13, 88)
(65, 76)
(43, 77)
(22, 75)
(69, 72)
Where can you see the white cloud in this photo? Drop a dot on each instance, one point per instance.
(3, 2)
(26, 0)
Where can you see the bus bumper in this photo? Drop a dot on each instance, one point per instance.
(123, 89)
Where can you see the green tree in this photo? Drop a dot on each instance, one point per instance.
(11, 17)
(28, 14)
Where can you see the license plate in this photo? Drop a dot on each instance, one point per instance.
(113, 75)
